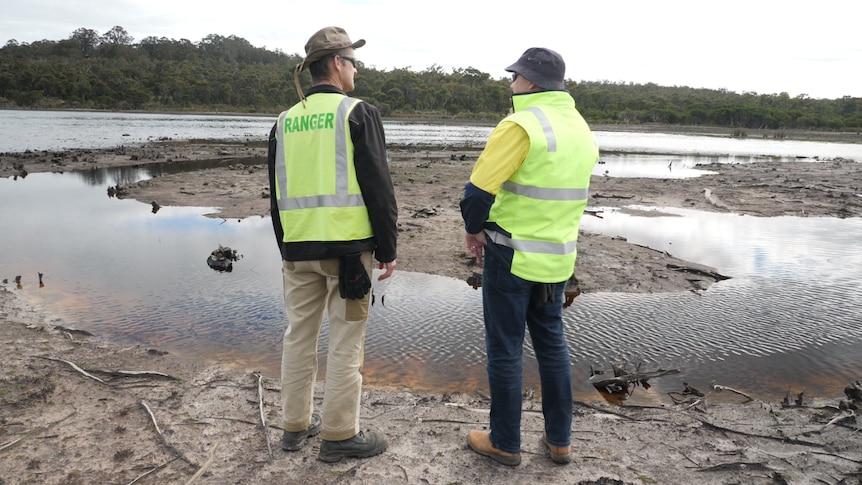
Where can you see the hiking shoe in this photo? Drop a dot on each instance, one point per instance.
(362, 445)
(295, 440)
(559, 454)
(480, 442)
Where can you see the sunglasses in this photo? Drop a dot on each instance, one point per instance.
(514, 76)
(352, 60)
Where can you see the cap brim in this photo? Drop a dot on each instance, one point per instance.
(317, 55)
(535, 77)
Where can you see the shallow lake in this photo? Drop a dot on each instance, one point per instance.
(787, 320)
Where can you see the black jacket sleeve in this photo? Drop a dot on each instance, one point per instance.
(273, 204)
(375, 181)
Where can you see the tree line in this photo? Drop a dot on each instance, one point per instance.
(113, 72)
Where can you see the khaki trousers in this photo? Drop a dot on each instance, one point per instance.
(310, 288)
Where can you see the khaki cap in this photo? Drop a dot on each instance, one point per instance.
(326, 41)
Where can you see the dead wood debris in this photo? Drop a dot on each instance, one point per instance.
(34, 431)
(796, 401)
(134, 373)
(740, 465)
(206, 465)
(162, 438)
(263, 426)
(75, 366)
(624, 382)
(153, 470)
(719, 388)
(853, 391)
(690, 396)
(71, 331)
(222, 259)
(699, 272)
(113, 373)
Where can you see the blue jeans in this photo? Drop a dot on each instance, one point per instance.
(508, 306)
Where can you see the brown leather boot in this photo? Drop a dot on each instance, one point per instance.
(480, 442)
(559, 454)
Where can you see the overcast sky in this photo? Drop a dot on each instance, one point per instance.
(767, 47)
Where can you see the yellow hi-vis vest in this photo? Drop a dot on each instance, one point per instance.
(316, 189)
(542, 202)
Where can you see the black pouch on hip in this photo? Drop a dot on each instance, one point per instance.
(353, 280)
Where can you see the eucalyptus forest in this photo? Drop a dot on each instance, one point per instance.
(227, 74)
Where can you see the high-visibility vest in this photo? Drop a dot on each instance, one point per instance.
(542, 202)
(316, 190)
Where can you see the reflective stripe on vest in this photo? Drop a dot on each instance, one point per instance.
(532, 246)
(341, 198)
(546, 127)
(545, 193)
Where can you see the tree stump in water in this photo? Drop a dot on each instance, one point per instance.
(222, 259)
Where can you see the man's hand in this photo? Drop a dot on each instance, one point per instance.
(390, 267)
(476, 245)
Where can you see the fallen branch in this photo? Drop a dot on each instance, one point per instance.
(206, 464)
(153, 470)
(604, 410)
(466, 408)
(262, 416)
(74, 366)
(624, 379)
(783, 439)
(699, 405)
(612, 196)
(153, 418)
(738, 465)
(226, 418)
(35, 430)
(691, 396)
(133, 373)
(136, 385)
(838, 456)
(164, 441)
(719, 388)
(838, 418)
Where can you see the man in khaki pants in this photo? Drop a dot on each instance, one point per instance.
(333, 209)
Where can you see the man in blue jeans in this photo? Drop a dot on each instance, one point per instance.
(521, 210)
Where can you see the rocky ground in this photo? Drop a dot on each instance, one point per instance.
(69, 415)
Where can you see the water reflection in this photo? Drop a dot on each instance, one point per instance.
(810, 249)
(717, 146)
(651, 166)
(24, 129)
(118, 270)
(128, 175)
